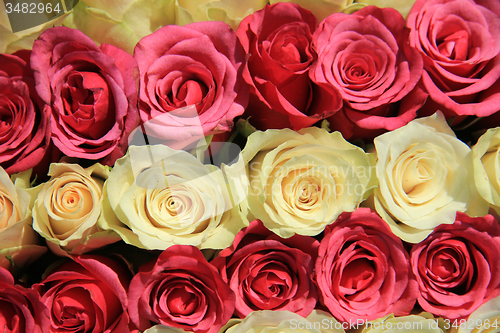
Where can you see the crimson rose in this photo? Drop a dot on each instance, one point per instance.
(457, 266)
(268, 272)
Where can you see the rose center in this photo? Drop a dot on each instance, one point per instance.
(6, 210)
(357, 275)
(455, 46)
(182, 302)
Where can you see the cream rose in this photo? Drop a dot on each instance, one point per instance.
(164, 197)
(423, 323)
(486, 319)
(402, 6)
(320, 8)
(302, 181)
(68, 207)
(18, 241)
(425, 177)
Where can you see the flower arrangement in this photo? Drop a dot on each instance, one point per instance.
(246, 166)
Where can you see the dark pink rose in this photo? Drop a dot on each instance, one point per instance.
(457, 266)
(24, 126)
(21, 309)
(363, 270)
(366, 57)
(87, 294)
(268, 272)
(191, 83)
(278, 41)
(180, 289)
(460, 43)
(91, 91)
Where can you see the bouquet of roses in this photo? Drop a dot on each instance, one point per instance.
(218, 166)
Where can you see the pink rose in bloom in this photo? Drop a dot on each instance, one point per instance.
(24, 130)
(88, 294)
(268, 272)
(21, 309)
(278, 40)
(457, 266)
(363, 270)
(366, 57)
(460, 43)
(191, 82)
(91, 91)
(180, 289)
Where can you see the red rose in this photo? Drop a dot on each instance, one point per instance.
(24, 130)
(268, 272)
(278, 41)
(363, 270)
(91, 91)
(88, 294)
(366, 57)
(180, 289)
(457, 266)
(460, 43)
(21, 309)
(191, 83)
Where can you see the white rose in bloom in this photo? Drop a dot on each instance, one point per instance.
(423, 323)
(165, 197)
(302, 181)
(425, 177)
(486, 319)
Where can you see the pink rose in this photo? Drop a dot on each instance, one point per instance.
(278, 41)
(268, 272)
(366, 57)
(191, 82)
(457, 266)
(88, 294)
(460, 43)
(363, 270)
(21, 309)
(91, 92)
(24, 131)
(180, 289)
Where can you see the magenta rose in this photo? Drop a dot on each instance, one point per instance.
(180, 289)
(24, 130)
(278, 40)
(191, 83)
(457, 266)
(460, 43)
(87, 294)
(268, 272)
(21, 309)
(363, 270)
(366, 57)
(91, 91)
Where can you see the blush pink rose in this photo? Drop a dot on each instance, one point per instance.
(457, 266)
(460, 43)
(91, 91)
(268, 272)
(87, 294)
(21, 309)
(363, 269)
(191, 83)
(366, 57)
(180, 289)
(278, 41)
(24, 130)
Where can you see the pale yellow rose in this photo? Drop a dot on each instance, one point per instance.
(300, 182)
(423, 323)
(321, 8)
(164, 197)
(425, 177)
(167, 329)
(18, 242)
(268, 321)
(11, 42)
(68, 207)
(486, 319)
(403, 6)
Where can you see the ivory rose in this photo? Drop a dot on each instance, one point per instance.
(301, 181)
(486, 319)
(423, 323)
(170, 199)
(425, 176)
(68, 207)
(320, 8)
